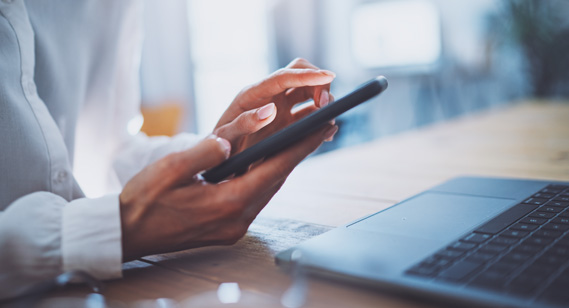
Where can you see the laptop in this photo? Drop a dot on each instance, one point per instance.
(474, 241)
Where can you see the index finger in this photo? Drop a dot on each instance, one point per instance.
(281, 80)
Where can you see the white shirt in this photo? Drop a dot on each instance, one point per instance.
(68, 89)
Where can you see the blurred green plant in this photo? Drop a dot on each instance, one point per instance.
(540, 28)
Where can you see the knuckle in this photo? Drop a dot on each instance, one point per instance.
(299, 60)
(212, 146)
(246, 121)
(279, 73)
(169, 162)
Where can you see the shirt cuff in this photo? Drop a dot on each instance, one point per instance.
(91, 237)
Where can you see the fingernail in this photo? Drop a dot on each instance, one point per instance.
(324, 98)
(266, 111)
(329, 73)
(329, 134)
(225, 145)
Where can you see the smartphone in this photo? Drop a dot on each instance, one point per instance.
(295, 132)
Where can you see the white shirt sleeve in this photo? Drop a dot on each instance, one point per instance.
(47, 225)
(42, 235)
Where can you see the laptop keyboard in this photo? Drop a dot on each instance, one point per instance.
(524, 251)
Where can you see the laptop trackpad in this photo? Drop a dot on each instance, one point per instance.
(434, 216)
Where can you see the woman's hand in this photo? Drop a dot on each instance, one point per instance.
(167, 207)
(266, 107)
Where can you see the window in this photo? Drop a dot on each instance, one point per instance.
(230, 49)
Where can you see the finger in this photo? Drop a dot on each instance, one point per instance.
(278, 167)
(298, 95)
(320, 95)
(182, 166)
(301, 63)
(247, 123)
(281, 80)
(316, 93)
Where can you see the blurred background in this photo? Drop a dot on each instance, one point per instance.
(443, 58)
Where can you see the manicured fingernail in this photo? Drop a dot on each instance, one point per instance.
(324, 98)
(266, 111)
(225, 145)
(329, 134)
(329, 73)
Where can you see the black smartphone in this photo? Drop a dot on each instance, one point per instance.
(295, 132)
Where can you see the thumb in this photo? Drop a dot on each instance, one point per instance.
(208, 153)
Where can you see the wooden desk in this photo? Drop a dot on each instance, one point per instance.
(529, 140)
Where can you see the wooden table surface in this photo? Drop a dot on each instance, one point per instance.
(525, 140)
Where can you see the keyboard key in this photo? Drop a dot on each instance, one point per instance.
(480, 257)
(559, 187)
(542, 215)
(524, 227)
(554, 191)
(534, 220)
(547, 233)
(461, 246)
(538, 241)
(543, 195)
(556, 227)
(492, 248)
(540, 270)
(449, 254)
(550, 209)
(557, 203)
(502, 267)
(505, 219)
(422, 271)
(514, 233)
(560, 220)
(476, 238)
(536, 201)
(428, 261)
(516, 257)
(564, 214)
(531, 249)
(503, 240)
(490, 280)
(560, 250)
(562, 198)
(563, 241)
(550, 260)
(433, 262)
(459, 271)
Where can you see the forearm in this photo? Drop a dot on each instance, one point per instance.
(42, 235)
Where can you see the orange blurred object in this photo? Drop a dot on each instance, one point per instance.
(162, 120)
